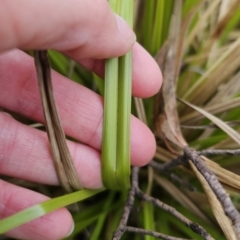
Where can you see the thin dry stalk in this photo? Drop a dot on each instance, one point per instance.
(63, 162)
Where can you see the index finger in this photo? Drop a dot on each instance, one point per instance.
(88, 28)
(84, 30)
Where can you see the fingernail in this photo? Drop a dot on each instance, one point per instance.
(71, 230)
(125, 30)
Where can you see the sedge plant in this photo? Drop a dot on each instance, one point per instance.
(208, 78)
(117, 109)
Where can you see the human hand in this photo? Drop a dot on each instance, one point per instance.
(86, 31)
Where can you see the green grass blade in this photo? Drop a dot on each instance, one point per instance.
(109, 145)
(168, 8)
(148, 218)
(41, 209)
(148, 23)
(101, 219)
(80, 226)
(124, 106)
(158, 27)
(123, 127)
(117, 109)
(110, 124)
(99, 83)
(88, 212)
(58, 62)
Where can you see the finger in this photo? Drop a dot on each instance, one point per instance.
(86, 28)
(25, 154)
(80, 109)
(147, 77)
(55, 225)
(80, 36)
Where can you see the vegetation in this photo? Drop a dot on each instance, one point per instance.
(197, 45)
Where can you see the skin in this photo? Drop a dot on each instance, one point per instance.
(24, 151)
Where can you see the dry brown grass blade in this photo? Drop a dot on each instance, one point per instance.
(195, 116)
(218, 21)
(227, 91)
(211, 126)
(221, 67)
(167, 124)
(228, 207)
(204, 56)
(62, 159)
(218, 77)
(227, 178)
(140, 109)
(203, 20)
(164, 155)
(223, 15)
(216, 207)
(214, 75)
(225, 19)
(180, 197)
(231, 132)
(181, 39)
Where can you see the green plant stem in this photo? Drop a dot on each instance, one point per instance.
(123, 127)
(110, 124)
(117, 110)
(124, 106)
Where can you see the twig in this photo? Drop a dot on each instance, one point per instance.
(183, 159)
(127, 209)
(194, 226)
(217, 188)
(152, 233)
(212, 152)
(170, 164)
(156, 165)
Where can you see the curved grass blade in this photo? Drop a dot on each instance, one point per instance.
(216, 206)
(230, 131)
(41, 209)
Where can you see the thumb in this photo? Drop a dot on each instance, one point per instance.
(85, 28)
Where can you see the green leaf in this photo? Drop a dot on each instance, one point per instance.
(41, 209)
